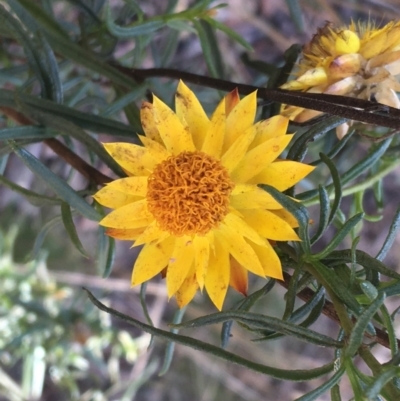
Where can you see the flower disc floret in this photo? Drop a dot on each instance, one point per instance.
(189, 193)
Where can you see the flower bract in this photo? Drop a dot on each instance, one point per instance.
(192, 196)
(359, 61)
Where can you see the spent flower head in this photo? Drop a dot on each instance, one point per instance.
(192, 196)
(359, 61)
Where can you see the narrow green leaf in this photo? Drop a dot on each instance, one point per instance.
(375, 389)
(316, 393)
(324, 213)
(143, 303)
(42, 235)
(365, 260)
(337, 285)
(31, 51)
(296, 14)
(337, 148)
(228, 31)
(291, 293)
(62, 125)
(84, 120)
(50, 62)
(309, 306)
(336, 184)
(32, 197)
(389, 326)
(282, 374)
(106, 253)
(335, 393)
(299, 147)
(357, 335)
(25, 132)
(125, 100)
(62, 189)
(263, 322)
(171, 6)
(338, 238)
(82, 56)
(135, 29)
(245, 305)
(180, 26)
(298, 211)
(168, 48)
(369, 290)
(209, 45)
(71, 229)
(367, 162)
(392, 234)
(42, 18)
(169, 352)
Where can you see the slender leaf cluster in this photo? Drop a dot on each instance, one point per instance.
(69, 86)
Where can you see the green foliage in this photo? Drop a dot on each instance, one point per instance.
(64, 85)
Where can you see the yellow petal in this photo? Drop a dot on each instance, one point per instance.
(344, 66)
(154, 149)
(131, 185)
(179, 264)
(152, 259)
(217, 278)
(152, 233)
(258, 158)
(374, 46)
(133, 158)
(282, 174)
(130, 216)
(214, 139)
(343, 87)
(237, 225)
(313, 77)
(201, 245)
(148, 123)
(268, 129)
(176, 138)
(238, 277)
(306, 115)
(239, 249)
(108, 197)
(231, 100)
(189, 109)
(287, 216)
(269, 225)
(387, 96)
(240, 119)
(294, 85)
(383, 60)
(247, 196)
(269, 260)
(188, 289)
(235, 153)
(347, 42)
(124, 235)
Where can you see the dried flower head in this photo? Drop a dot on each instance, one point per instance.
(360, 61)
(192, 195)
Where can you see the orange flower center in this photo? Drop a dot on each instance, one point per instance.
(189, 193)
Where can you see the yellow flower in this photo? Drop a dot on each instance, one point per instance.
(358, 61)
(192, 197)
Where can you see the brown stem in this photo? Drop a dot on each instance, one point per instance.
(61, 150)
(328, 310)
(342, 106)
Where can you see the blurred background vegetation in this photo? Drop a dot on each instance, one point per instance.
(54, 344)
